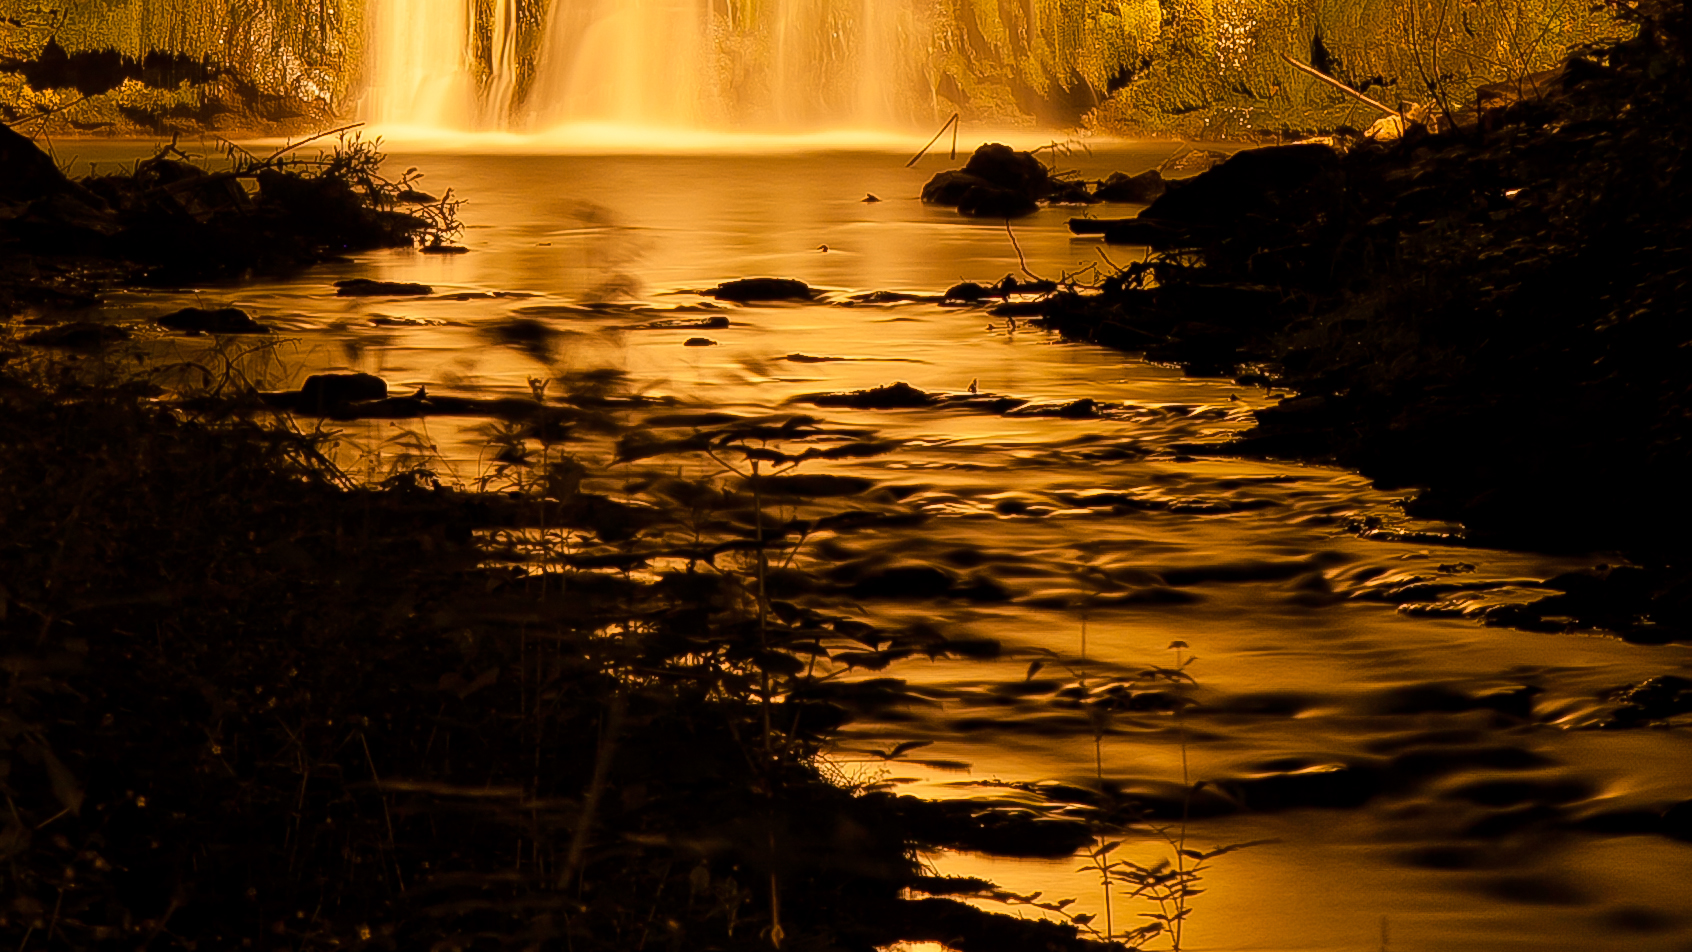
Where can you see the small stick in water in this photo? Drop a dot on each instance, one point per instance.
(953, 123)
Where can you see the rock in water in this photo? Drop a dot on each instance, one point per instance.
(325, 393)
(1007, 168)
(77, 335)
(989, 202)
(751, 290)
(1145, 188)
(219, 320)
(364, 287)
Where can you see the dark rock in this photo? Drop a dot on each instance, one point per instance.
(966, 291)
(1249, 183)
(894, 396)
(221, 320)
(1145, 188)
(871, 197)
(365, 287)
(948, 188)
(326, 393)
(1320, 785)
(1004, 167)
(77, 335)
(997, 182)
(985, 201)
(1069, 192)
(699, 342)
(436, 249)
(752, 290)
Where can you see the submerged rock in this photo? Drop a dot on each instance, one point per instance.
(77, 335)
(220, 320)
(365, 287)
(1145, 188)
(755, 290)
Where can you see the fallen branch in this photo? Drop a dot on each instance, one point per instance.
(1324, 77)
(951, 123)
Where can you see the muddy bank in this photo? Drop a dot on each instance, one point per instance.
(1495, 313)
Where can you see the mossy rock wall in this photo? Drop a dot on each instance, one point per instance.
(157, 66)
(1212, 69)
(1217, 71)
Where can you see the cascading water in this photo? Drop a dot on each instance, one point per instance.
(680, 64)
(420, 73)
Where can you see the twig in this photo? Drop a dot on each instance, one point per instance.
(953, 122)
(308, 139)
(1324, 77)
(1020, 260)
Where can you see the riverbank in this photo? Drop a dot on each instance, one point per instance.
(1494, 314)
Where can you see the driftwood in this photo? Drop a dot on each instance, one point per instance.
(1324, 77)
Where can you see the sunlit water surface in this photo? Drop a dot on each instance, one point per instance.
(1484, 834)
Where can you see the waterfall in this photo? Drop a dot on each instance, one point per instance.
(420, 69)
(768, 65)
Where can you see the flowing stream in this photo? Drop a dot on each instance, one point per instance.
(1429, 783)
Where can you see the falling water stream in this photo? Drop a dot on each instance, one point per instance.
(673, 64)
(1427, 782)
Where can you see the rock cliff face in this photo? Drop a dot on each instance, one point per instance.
(1197, 68)
(160, 66)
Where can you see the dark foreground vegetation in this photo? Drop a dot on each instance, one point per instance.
(1495, 312)
(253, 702)
(171, 220)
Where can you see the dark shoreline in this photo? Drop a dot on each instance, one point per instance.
(1495, 314)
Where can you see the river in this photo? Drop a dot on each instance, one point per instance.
(1427, 782)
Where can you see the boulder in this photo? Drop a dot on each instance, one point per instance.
(990, 202)
(752, 290)
(1007, 168)
(998, 182)
(217, 320)
(326, 393)
(1143, 189)
(948, 188)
